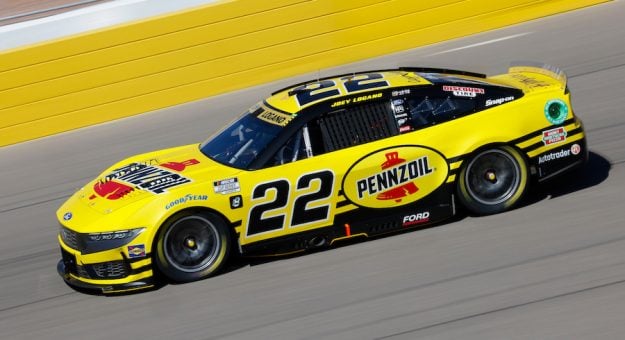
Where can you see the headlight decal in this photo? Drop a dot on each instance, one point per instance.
(96, 242)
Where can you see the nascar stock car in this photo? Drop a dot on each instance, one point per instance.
(318, 162)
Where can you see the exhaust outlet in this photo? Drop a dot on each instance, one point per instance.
(317, 241)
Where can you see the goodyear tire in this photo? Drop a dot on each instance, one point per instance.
(493, 180)
(192, 246)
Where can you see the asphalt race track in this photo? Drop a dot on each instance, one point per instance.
(554, 268)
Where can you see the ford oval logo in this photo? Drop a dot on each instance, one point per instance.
(67, 216)
(395, 176)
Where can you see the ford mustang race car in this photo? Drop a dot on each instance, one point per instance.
(353, 155)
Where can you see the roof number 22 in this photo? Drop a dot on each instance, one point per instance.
(323, 89)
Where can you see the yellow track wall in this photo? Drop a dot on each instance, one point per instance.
(172, 59)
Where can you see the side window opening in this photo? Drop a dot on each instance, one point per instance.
(425, 111)
(357, 125)
(296, 148)
(447, 106)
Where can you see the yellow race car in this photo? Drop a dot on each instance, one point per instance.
(327, 160)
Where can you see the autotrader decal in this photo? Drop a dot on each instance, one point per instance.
(395, 176)
(554, 155)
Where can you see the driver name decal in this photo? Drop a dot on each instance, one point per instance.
(276, 118)
(395, 176)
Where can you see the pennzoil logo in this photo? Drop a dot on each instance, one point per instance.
(395, 181)
(395, 176)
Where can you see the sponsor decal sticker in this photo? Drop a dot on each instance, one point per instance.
(136, 251)
(416, 219)
(185, 199)
(395, 176)
(554, 136)
(463, 91)
(152, 178)
(400, 92)
(556, 111)
(227, 186)
(236, 202)
(275, 118)
(111, 190)
(576, 149)
(498, 101)
(553, 156)
(67, 216)
(528, 81)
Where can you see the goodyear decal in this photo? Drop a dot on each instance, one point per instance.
(395, 176)
(275, 118)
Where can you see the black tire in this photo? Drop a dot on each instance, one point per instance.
(192, 246)
(493, 180)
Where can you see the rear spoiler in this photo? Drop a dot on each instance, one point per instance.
(540, 68)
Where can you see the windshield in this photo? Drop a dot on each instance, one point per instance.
(240, 143)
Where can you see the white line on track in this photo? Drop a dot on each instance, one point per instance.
(492, 41)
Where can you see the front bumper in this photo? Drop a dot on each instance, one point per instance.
(77, 282)
(108, 271)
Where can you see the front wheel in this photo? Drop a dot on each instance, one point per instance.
(493, 181)
(192, 246)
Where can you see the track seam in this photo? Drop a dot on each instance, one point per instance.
(505, 308)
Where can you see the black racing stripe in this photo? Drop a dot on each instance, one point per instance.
(236, 223)
(137, 259)
(454, 171)
(457, 158)
(533, 147)
(540, 144)
(342, 203)
(134, 271)
(539, 132)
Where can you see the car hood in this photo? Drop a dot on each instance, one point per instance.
(148, 175)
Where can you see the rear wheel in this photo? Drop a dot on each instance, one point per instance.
(493, 181)
(192, 246)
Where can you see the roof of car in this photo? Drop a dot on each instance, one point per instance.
(286, 99)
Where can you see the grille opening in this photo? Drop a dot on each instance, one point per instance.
(70, 238)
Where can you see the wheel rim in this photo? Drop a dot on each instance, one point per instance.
(493, 177)
(191, 244)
